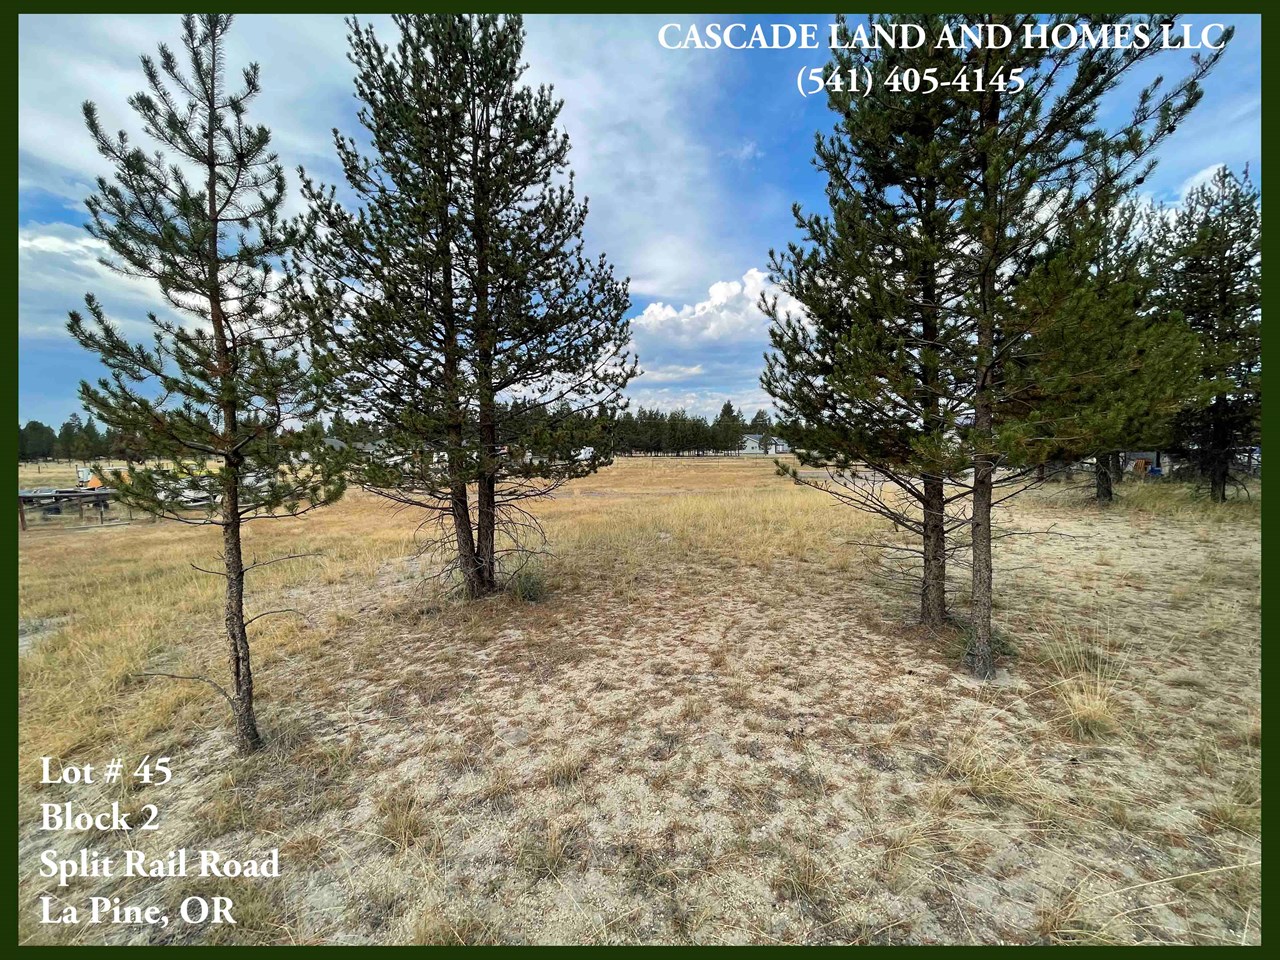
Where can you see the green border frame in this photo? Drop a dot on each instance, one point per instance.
(9, 365)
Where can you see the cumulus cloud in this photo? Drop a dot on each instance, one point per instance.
(641, 150)
(55, 152)
(672, 373)
(698, 355)
(701, 402)
(730, 313)
(643, 154)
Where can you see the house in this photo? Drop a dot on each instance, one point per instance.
(759, 443)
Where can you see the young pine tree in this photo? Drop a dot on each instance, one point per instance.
(1212, 277)
(459, 310)
(222, 378)
(864, 381)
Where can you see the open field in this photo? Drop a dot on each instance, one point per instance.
(716, 725)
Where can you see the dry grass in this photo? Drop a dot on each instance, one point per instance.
(711, 726)
(437, 926)
(1089, 663)
(405, 821)
(546, 848)
(58, 474)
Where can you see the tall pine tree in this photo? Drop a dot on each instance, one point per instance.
(1109, 367)
(1037, 153)
(1212, 277)
(224, 381)
(913, 352)
(458, 307)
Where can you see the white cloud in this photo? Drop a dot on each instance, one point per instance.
(58, 264)
(56, 154)
(729, 314)
(672, 373)
(641, 152)
(699, 355)
(1198, 179)
(705, 403)
(745, 152)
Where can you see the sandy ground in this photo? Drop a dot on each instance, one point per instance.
(696, 739)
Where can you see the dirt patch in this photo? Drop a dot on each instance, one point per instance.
(30, 632)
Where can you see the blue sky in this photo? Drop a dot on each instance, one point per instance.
(691, 160)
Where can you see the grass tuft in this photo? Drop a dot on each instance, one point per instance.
(529, 584)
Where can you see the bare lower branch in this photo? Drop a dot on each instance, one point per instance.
(179, 676)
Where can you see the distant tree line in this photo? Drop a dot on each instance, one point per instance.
(646, 432)
(654, 432)
(78, 439)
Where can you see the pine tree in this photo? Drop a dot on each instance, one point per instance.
(203, 222)
(1212, 277)
(69, 435)
(913, 352)
(728, 428)
(86, 446)
(460, 281)
(1034, 160)
(864, 381)
(626, 433)
(1109, 368)
(762, 425)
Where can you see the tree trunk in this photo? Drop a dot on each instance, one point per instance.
(1117, 468)
(1102, 477)
(486, 525)
(486, 500)
(466, 545)
(933, 593)
(1219, 452)
(1219, 472)
(247, 736)
(980, 654)
(456, 457)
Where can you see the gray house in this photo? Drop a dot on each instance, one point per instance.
(758, 443)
